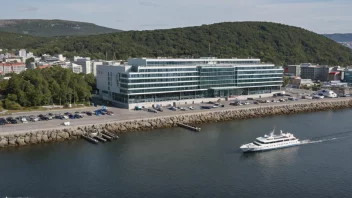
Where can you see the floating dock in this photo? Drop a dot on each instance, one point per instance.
(100, 139)
(107, 137)
(192, 128)
(89, 139)
(110, 134)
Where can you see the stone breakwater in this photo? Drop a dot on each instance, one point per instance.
(54, 135)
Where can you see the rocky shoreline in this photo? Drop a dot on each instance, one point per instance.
(54, 135)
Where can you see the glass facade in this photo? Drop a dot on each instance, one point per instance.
(177, 80)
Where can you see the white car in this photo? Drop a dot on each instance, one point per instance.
(191, 108)
(183, 109)
(215, 106)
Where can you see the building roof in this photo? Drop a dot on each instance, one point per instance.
(12, 64)
(43, 66)
(334, 72)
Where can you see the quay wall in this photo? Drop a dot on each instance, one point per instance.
(61, 134)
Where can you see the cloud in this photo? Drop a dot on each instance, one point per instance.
(29, 9)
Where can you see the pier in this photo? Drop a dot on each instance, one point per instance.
(109, 138)
(192, 128)
(113, 136)
(89, 139)
(100, 139)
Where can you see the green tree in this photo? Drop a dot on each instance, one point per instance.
(29, 60)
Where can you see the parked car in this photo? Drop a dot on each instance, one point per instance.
(61, 117)
(3, 121)
(111, 113)
(78, 116)
(33, 119)
(191, 108)
(152, 110)
(173, 108)
(44, 118)
(89, 113)
(182, 109)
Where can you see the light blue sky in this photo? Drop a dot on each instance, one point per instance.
(321, 16)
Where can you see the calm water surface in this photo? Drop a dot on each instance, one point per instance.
(180, 163)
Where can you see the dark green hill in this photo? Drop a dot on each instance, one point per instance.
(15, 41)
(340, 37)
(272, 42)
(48, 28)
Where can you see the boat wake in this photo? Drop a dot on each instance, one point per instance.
(317, 141)
(336, 136)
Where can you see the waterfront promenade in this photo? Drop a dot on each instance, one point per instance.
(124, 115)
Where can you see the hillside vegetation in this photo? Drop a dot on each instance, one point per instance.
(48, 28)
(272, 42)
(340, 37)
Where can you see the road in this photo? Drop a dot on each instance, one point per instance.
(125, 114)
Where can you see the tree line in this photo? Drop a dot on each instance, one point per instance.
(55, 85)
(271, 42)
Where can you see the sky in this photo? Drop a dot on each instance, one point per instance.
(320, 16)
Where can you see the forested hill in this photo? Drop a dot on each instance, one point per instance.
(340, 37)
(48, 28)
(272, 42)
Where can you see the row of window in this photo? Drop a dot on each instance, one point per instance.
(259, 76)
(257, 80)
(159, 80)
(159, 75)
(167, 70)
(160, 63)
(212, 69)
(159, 85)
(259, 84)
(161, 89)
(257, 72)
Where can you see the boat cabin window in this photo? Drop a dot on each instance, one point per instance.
(256, 143)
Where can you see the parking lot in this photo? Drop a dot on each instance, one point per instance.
(125, 114)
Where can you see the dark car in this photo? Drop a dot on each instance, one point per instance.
(11, 120)
(50, 114)
(67, 113)
(71, 116)
(3, 121)
(78, 116)
(59, 117)
(43, 118)
(89, 113)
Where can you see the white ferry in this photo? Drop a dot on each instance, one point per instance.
(270, 142)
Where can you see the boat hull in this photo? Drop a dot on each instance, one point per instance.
(250, 150)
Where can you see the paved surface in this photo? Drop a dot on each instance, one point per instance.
(124, 115)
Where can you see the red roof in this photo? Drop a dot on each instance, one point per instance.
(334, 72)
(12, 64)
(43, 66)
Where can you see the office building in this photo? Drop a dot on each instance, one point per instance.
(159, 80)
(22, 53)
(314, 72)
(17, 68)
(293, 70)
